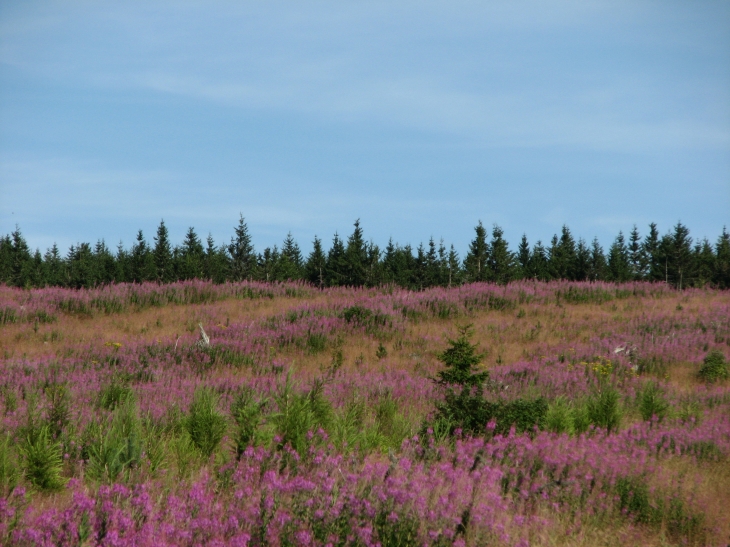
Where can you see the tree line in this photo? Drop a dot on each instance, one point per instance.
(672, 258)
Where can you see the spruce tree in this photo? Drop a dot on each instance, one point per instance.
(523, 258)
(143, 263)
(454, 266)
(582, 261)
(162, 253)
(501, 261)
(539, 263)
(680, 263)
(721, 274)
(619, 267)
(636, 255)
(654, 269)
(374, 271)
(475, 263)
(562, 255)
(53, 265)
(356, 258)
(291, 262)
(242, 255)
(6, 260)
(216, 261)
(336, 265)
(314, 269)
(597, 270)
(704, 260)
(19, 256)
(191, 257)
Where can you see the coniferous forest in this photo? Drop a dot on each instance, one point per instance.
(674, 258)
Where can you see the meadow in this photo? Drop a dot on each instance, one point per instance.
(533, 413)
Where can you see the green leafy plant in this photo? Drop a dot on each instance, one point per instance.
(714, 367)
(247, 414)
(42, 459)
(604, 409)
(652, 402)
(205, 424)
(120, 448)
(115, 394)
(559, 416)
(8, 470)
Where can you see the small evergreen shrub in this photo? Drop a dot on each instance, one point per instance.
(559, 416)
(652, 402)
(42, 459)
(604, 409)
(714, 367)
(247, 413)
(114, 394)
(119, 449)
(204, 423)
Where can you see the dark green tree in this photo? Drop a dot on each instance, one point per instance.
(539, 263)
(524, 258)
(19, 258)
(216, 262)
(475, 263)
(162, 254)
(336, 263)
(704, 259)
(637, 258)
(655, 264)
(191, 258)
(461, 360)
(597, 270)
(680, 267)
(619, 267)
(242, 255)
(53, 265)
(454, 267)
(315, 267)
(721, 275)
(291, 263)
(501, 261)
(562, 255)
(356, 258)
(582, 261)
(143, 262)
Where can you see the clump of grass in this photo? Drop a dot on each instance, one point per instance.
(714, 367)
(8, 470)
(204, 423)
(114, 394)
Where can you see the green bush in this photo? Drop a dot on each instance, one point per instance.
(559, 416)
(119, 449)
(246, 412)
(114, 394)
(460, 361)
(42, 459)
(604, 409)
(652, 402)
(205, 424)
(714, 367)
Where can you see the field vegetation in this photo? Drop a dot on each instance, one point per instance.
(531, 413)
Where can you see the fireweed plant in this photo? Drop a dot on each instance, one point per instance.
(525, 414)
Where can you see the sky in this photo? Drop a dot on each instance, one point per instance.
(418, 118)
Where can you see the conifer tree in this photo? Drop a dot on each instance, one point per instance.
(314, 270)
(143, 263)
(680, 259)
(19, 256)
(6, 260)
(454, 266)
(501, 261)
(336, 265)
(356, 258)
(53, 265)
(562, 255)
(162, 253)
(582, 261)
(704, 263)
(374, 272)
(636, 255)
(104, 264)
(290, 263)
(654, 269)
(191, 257)
(721, 274)
(539, 264)
(523, 258)
(619, 267)
(242, 255)
(475, 263)
(216, 261)
(597, 262)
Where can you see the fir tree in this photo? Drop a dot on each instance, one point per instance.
(6, 260)
(191, 257)
(597, 262)
(524, 258)
(291, 262)
(654, 269)
(356, 258)
(242, 255)
(637, 260)
(314, 270)
(143, 263)
(454, 266)
(704, 260)
(619, 267)
(582, 261)
(53, 263)
(539, 264)
(336, 265)
(216, 261)
(475, 263)
(721, 274)
(19, 256)
(461, 360)
(501, 260)
(162, 253)
(562, 255)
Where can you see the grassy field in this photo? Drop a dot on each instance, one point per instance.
(596, 414)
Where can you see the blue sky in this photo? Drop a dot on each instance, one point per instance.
(419, 118)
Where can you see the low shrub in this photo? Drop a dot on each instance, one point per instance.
(714, 367)
(42, 459)
(652, 402)
(204, 423)
(604, 409)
